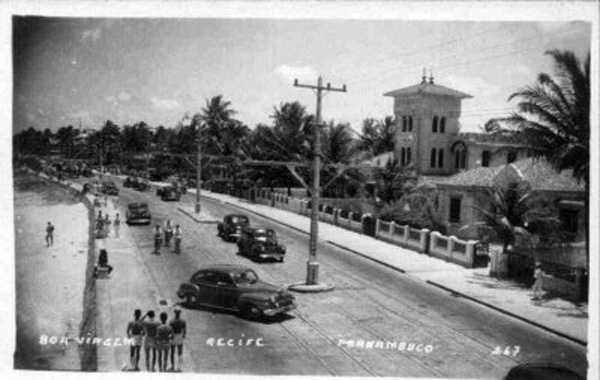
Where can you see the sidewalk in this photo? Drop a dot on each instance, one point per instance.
(554, 315)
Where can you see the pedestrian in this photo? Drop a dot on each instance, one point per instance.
(179, 331)
(116, 202)
(103, 262)
(99, 227)
(538, 284)
(49, 235)
(135, 331)
(117, 225)
(150, 330)
(105, 200)
(178, 235)
(168, 232)
(99, 214)
(106, 225)
(157, 239)
(164, 335)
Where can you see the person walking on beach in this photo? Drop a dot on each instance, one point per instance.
(117, 225)
(49, 235)
(538, 284)
(179, 331)
(163, 342)
(150, 330)
(135, 331)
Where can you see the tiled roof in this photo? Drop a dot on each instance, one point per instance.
(538, 173)
(428, 88)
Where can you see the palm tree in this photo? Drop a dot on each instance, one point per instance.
(213, 121)
(553, 118)
(514, 212)
(553, 115)
(377, 136)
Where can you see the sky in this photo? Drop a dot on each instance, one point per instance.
(69, 71)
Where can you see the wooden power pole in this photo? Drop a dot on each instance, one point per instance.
(312, 272)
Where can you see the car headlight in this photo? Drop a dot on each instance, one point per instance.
(273, 300)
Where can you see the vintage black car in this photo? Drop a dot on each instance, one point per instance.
(545, 371)
(236, 288)
(138, 213)
(129, 182)
(170, 193)
(260, 244)
(109, 188)
(230, 229)
(141, 185)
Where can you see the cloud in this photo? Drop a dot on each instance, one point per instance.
(289, 73)
(93, 34)
(165, 104)
(124, 96)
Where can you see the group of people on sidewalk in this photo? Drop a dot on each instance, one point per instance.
(103, 224)
(170, 231)
(158, 339)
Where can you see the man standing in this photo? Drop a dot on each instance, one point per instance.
(168, 232)
(135, 330)
(163, 342)
(150, 330)
(157, 239)
(49, 235)
(117, 224)
(179, 332)
(178, 236)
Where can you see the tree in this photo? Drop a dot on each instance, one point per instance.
(377, 136)
(553, 118)
(515, 212)
(214, 123)
(393, 181)
(553, 115)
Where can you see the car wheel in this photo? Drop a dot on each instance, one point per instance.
(252, 312)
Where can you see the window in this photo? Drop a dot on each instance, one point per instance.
(485, 158)
(432, 158)
(569, 219)
(408, 156)
(440, 158)
(457, 159)
(443, 124)
(404, 123)
(463, 159)
(402, 157)
(455, 209)
(434, 124)
(511, 157)
(460, 158)
(410, 123)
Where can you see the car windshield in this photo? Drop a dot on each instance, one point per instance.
(245, 277)
(237, 219)
(138, 207)
(265, 235)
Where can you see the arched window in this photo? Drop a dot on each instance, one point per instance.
(432, 158)
(460, 158)
(434, 125)
(443, 124)
(403, 123)
(408, 156)
(457, 158)
(440, 158)
(402, 157)
(410, 124)
(463, 159)
(485, 158)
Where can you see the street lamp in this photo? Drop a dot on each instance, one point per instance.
(198, 170)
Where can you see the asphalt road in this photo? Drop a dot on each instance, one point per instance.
(370, 302)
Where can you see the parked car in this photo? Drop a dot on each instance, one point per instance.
(129, 182)
(231, 226)
(141, 185)
(138, 213)
(236, 288)
(109, 188)
(260, 244)
(541, 371)
(170, 193)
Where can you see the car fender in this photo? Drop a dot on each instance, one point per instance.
(257, 298)
(186, 289)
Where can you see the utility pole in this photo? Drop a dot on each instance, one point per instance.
(312, 270)
(198, 170)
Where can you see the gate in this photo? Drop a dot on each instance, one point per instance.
(369, 224)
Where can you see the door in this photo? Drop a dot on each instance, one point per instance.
(227, 291)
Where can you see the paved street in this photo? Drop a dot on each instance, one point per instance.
(371, 303)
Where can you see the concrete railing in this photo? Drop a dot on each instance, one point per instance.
(452, 249)
(421, 240)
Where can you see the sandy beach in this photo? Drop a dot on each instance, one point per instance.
(49, 280)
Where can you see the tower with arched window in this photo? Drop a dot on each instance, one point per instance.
(427, 127)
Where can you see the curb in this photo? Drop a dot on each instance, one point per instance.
(432, 283)
(478, 301)
(195, 219)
